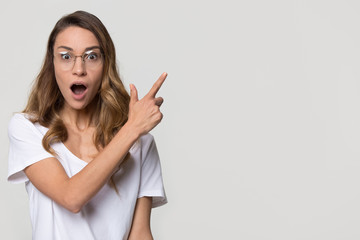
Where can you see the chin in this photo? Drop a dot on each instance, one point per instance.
(76, 106)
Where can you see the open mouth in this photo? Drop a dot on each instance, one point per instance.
(78, 89)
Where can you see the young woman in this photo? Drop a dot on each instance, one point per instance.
(82, 145)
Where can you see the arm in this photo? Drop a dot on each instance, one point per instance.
(72, 193)
(140, 229)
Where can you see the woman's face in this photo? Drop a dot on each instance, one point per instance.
(78, 66)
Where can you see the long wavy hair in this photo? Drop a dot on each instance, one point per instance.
(112, 100)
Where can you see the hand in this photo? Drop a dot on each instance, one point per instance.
(145, 114)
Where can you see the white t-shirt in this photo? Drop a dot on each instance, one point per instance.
(107, 215)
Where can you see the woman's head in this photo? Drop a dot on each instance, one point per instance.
(111, 100)
(91, 23)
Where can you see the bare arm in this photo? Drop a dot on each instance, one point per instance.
(72, 193)
(140, 229)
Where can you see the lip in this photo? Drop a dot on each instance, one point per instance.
(79, 96)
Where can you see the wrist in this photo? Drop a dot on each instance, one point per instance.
(130, 132)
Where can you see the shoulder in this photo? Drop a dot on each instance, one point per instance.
(146, 139)
(142, 143)
(147, 143)
(144, 146)
(20, 124)
(20, 119)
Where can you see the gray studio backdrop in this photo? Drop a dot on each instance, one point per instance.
(261, 130)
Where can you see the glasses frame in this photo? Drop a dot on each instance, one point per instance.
(82, 56)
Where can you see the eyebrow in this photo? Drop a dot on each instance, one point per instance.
(86, 49)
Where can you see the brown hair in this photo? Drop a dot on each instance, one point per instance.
(112, 100)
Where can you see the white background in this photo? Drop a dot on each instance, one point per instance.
(261, 130)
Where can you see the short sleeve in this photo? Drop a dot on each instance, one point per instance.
(25, 147)
(151, 184)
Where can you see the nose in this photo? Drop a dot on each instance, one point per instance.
(79, 66)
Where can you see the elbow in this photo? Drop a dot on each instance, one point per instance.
(74, 209)
(72, 203)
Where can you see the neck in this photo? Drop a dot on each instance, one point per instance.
(78, 119)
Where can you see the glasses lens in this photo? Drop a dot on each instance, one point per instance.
(92, 58)
(65, 60)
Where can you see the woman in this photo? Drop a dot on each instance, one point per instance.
(82, 145)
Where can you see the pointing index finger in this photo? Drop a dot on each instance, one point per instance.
(155, 88)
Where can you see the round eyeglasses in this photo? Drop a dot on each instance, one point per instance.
(66, 59)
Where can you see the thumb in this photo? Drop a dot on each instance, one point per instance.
(133, 95)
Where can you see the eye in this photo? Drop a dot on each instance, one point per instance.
(93, 56)
(65, 56)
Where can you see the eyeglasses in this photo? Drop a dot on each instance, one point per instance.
(66, 60)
